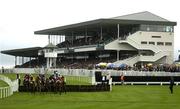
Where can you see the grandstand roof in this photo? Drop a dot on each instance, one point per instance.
(24, 52)
(131, 19)
(145, 16)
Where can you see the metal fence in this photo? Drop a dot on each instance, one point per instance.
(138, 73)
(88, 76)
(69, 72)
(8, 91)
(90, 73)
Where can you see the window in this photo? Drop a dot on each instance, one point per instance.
(156, 28)
(168, 43)
(160, 43)
(169, 29)
(143, 42)
(156, 36)
(152, 43)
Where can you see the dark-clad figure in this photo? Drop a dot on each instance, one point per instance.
(2, 69)
(171, 84)
(122, 79)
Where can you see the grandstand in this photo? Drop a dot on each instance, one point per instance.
(134, 39)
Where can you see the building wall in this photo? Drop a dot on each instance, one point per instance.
(115, 45)
(144, 36)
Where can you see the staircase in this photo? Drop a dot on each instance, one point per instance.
(133, 43)
(129, 61)
(139, 58)
(154, 58)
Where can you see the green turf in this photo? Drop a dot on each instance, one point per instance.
(11, 76)
(3, 84)
(122, 97)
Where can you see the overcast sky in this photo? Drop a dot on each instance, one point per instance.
(20, 18)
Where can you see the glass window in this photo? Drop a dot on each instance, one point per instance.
(168, 43)
(160, 43)
(152, 43)
(143, 42)
(169, 29)
(156, 36)
(156, 28)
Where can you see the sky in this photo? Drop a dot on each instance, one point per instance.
(20, 18)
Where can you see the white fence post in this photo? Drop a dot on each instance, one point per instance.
(110, 83)
(7, 91)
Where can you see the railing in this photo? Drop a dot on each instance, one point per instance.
(5, 92)
(155, 57)
(129, 61)
(133, 43)
(79, 74)
(90, 73)
(132, 60)
(8, 91)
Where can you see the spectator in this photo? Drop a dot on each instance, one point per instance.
(122, 79)
(108, 77)
(171, 84)
(19, 79)
(2, 69)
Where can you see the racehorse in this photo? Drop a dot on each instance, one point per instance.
(38, 84)
(26, 85)
(60, 85)
(48, 85)
(32, 85)
(26, 82)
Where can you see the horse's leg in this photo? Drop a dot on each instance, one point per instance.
(60, 89)
(54, 89)
(64, 88)
(40, 90)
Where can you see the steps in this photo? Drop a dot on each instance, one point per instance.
(139, 58)
(133, 43)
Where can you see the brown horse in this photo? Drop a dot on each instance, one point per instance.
(48, 85)
(60, 85)
(26, 85)
(32, 86)
(38, 84)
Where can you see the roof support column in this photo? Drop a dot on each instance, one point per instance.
(22, 60)
(47, 62)
(72, 33)
(15, 60)
(56, 39)
(117, 55)
(60, 39)
(117, 30)
(86, 35)
(29, 61)
(48, 39)
(101, 33)
(19, 63)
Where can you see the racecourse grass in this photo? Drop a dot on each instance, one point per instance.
(11, 76)
(121, 97)
(3, 84)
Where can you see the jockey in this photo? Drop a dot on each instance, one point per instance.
(26, 77)
(63, 79)
(32, 79)
(58, 79)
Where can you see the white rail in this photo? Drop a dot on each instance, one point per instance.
(138, 46)
(8, 91)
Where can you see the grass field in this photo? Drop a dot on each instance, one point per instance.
(3, 84)
(122, 97)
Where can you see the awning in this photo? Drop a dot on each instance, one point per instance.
(24, 52)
